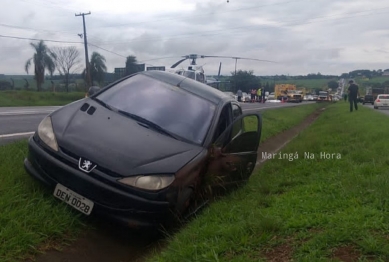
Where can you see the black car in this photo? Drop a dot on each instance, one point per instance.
(141, 149)
(368, 99)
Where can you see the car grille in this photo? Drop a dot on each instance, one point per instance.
(100, 168)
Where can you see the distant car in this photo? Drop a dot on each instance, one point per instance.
(232, 95)
(246, 97)
(381, 101)
(368, 99)
(143, 161)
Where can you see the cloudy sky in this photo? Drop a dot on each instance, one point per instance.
(301, 36)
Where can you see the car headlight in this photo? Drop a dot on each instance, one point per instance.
(46, 133)
(151, 182)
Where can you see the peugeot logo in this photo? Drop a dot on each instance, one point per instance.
(86, 165)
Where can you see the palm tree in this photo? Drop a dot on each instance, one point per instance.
(97, 68)
(43, 59)
(131, 65)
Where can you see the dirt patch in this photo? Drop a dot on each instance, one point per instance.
(346, 254)
(277, 142)
(116, 244)
(281, 253)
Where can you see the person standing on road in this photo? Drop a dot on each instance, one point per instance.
(353, 93)
(259, 94)
(263, 95)
(239, 94)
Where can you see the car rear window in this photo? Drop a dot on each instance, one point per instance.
(383, 97)
(170, 107)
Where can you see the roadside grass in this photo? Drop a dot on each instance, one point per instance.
(33, 98)
(275, 121)
(307, 209)
(32, 220)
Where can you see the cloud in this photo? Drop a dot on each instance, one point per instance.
(302, 36)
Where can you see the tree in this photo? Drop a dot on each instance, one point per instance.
(97, 68)
(333, 84)
(66, 59)
(244, 80)
(131, 65)
(42, 59)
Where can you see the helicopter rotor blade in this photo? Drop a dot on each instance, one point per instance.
(235, 57)
(220, 67)
(179, 62)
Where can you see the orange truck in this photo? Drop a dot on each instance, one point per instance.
(281, 90)
(288, 92)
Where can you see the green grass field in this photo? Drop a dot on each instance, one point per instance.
(322, 83)
(33, 98)
(32, 220)
(307, 208)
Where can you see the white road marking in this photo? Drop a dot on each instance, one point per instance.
(17, 134)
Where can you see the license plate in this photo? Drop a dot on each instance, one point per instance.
(73, 199)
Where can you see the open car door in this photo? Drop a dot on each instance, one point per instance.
(234, 153)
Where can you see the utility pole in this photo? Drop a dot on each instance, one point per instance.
(87, 66)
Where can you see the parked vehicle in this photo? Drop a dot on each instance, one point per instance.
(232, 95)
(246, 97)
(144, 162)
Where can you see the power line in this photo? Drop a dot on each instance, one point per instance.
(206, 33)
(36, 39)
(106, 50)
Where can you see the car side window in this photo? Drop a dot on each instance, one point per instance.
(225, 120)
(236, 111)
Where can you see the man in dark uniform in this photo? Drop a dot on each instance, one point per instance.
(353, 93)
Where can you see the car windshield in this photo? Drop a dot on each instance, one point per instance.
(384, 97)
(171, 108)
(189, 74)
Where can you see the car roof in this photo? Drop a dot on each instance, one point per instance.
(202, 90)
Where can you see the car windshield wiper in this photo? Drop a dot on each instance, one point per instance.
(148, 124)
(102, 103)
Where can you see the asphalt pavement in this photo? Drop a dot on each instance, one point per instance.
(381, 110)
(21, 122)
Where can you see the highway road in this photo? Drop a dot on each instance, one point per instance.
(381, 110)
(21, 122)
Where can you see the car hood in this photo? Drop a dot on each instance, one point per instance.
(118, 143)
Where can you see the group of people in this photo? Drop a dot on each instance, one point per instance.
(256, 95)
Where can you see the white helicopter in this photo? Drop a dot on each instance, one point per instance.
(196, 72)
